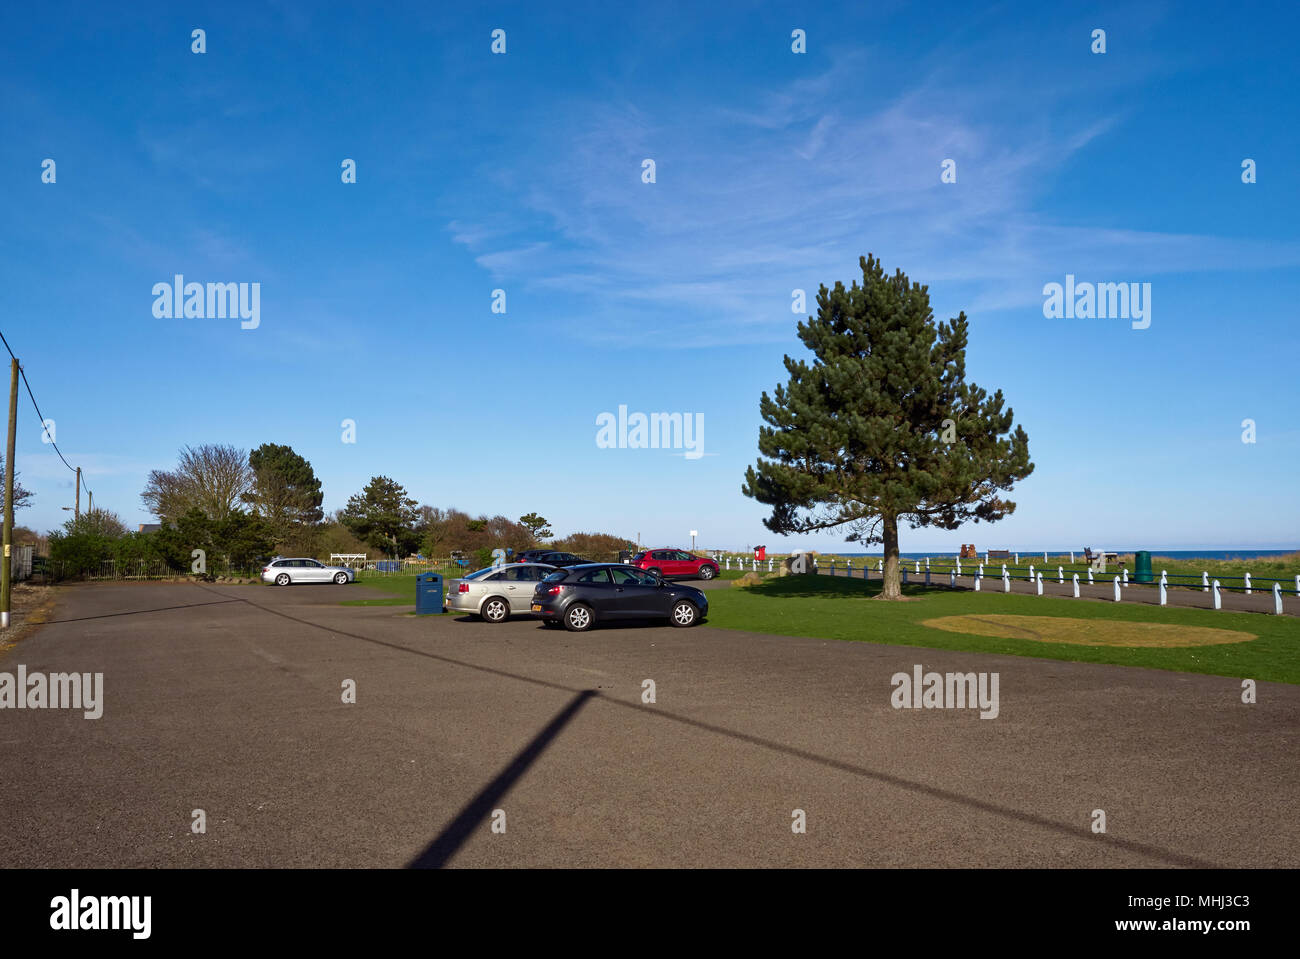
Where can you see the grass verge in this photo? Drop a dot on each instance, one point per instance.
(822, 607)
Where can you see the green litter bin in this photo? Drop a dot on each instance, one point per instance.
(1142, 567)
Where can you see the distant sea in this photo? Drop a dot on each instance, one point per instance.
(1171, 553)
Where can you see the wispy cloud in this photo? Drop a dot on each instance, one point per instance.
(751, 203)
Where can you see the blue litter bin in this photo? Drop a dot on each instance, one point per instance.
(428, 593)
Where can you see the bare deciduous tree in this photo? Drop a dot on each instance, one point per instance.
(212, 478)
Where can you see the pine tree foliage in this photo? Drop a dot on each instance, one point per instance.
(882, 426)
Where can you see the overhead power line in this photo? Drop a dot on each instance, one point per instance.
(32, 396)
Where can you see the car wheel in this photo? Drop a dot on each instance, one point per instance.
(578, 618)
(684, 613)
(708, 572)
(496, 610)
(341, 578)
(283, 580)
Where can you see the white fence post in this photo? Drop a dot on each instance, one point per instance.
(1248, 584)
(1125, 575)
(1297, 584)
(1044, 556)
(1218, 600)
(918, 567)
(1040, 584)
(927, 564)
(1076, 585)
(1089, 575)
(981, 572)
(769, 566)
(1004, 570)
(952, 577)
(1117, 589)
(1164, 593)
(1006, 580)
(1031, 572)
(880, 566)
(977, 584)
(1060, 575)
(1277, 598)
(1071, 557)
(1017, 559)
(1205, 582)
(958, 562)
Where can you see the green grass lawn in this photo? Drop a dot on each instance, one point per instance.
(400, 585)
(824, 608)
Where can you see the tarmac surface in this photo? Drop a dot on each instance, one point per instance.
(228, 699)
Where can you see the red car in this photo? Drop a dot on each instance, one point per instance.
(675, 564)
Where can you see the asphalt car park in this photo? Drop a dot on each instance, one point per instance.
(628, 746)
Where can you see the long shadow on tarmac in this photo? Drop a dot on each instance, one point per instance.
(137, 612)
(453, 836)
(480, 807)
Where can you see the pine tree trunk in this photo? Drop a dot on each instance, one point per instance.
(891, 587)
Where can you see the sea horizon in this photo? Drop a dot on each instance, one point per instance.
(1238, 553)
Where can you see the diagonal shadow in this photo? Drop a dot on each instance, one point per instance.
(135, 612)
(1066, 830)
(481, 806)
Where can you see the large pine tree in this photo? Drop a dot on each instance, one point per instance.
(882, 426)
(285, 490)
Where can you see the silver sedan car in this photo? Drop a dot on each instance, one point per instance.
(282, 572)
(497, 592)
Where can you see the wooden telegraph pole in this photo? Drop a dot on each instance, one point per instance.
(77, 514)
(6, 573)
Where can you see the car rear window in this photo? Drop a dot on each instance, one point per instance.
(479, 572)
(638, 557)
(555, 577)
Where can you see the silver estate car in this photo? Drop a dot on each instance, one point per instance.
(496, 592)
(283, 571)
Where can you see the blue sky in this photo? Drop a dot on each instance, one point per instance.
(774, 171)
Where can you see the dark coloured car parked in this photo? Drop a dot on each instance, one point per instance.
(579, 597)
(549, 557)
(675, 563)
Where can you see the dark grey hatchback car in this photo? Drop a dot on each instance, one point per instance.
(579, 597)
